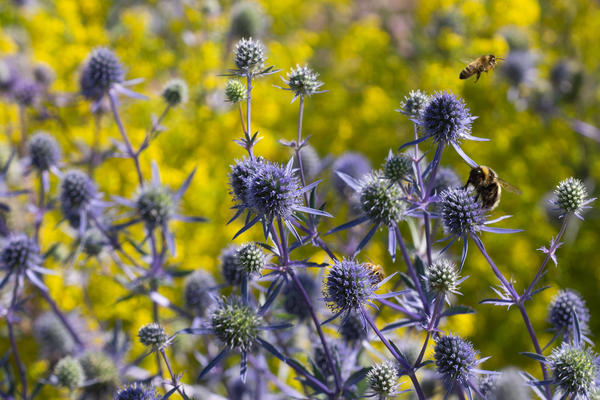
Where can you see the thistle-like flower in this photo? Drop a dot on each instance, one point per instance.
(444, 179)
(383, 379)
(52, 337)
(249, 55)
(443, 278)
(69, 373)
(464, 217)
(100, 369)
(235, 91)
(348, 287)
(381, 203)
(240, 173)
(25, 92)
(236, 325)
(447, 120)
(414, 104)
(455, 359)
(564, 308)
(321, 361)
(44, 151)
(248, 19)
(397, 167)
(303, 81)
(575, 370)
(251, 258)
(293, 300)
(508, 386)
(353, 328)
(137, 392)
(175, 92)
(230, 268)
(78, 198)
(21, 255)
(153, 335)
(101, 71)
(197, 287)
(571, 197)
(519, 68)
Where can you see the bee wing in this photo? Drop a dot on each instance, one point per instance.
(509, 187)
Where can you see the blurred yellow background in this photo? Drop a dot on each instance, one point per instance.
(369, 54)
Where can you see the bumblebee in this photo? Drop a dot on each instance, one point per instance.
(488, 186)
(376, 272)
(481, 64)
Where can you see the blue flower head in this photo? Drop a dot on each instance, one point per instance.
(43, 150)
(575, 370)
(238, 176)
(446, 118)
(348, 286)
(562, 311)
(273, 191)
(455, 359)
(137, 392)
(101, 70)
(461, 213)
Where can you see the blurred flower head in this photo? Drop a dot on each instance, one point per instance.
(248, 19)
(235, 91)
(100, 369)
(563, 309)
(155, 205)
(69, 373)
(137, 392)
(293, 300)
(519, 68)
(351, 164)
(101, 70)
(175, 92)
(43, 150)
(153, 335)
(196, 290)
(230, 268)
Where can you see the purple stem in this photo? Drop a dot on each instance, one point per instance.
(134, 156)
(398, 307)
(13, 341)
(432, 324)
(521, 307)
(409, 371)
(173, 379)
(411, 270)
(248, 130)
(553, 247)
(41, 209)
(61, 316)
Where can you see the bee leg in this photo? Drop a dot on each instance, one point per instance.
(478, 75)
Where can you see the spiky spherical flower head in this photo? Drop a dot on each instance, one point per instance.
(137, 392)
(303, 81)
(175, 92)
(247, 19)
(446, 118)
(348, 286)
(20, 252)
(76, 190)
(235, 91)
(454, 357)
(519, 68)
(563, 308)
(352, 164)
(383, 379)
(43, 150)
(414, 104)
(101, 369)
(574, 369)
(69, 373)
(381, 200)
(445, 178)
(153, 335)
(196, 291)
(25, 92)
(509, 386)
(397, 167)
(321, 360)
(571, 195)
(101, 70)
(461, 214)
(43, 74)
(311, 162)
(487, 385)
(442, 277)
(238, 177)
(251, 258)
(93, 242)
(52, 336)
(155, 205)
(273, 191)
(235, 324)
(232, 272)
(293, 300)
(249, 55)
(353, 328)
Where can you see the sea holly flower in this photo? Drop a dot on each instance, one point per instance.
(80, 200)
(153, 335)
(101, 372)
(69, 373)
(575, 370)
(303, 81)
(175, 92)
(414, 104)
(249, 59)
(383, 380)
(571, 197)
(381, 204)
(156, 206)
(272, 192)
(238, 327)
(349, 286)
(397, 167)
(20, 256)
(197, 291)
(443, 278)
(235, 91)
(457, 361)
(566, 307)
(463, 217)
(446, 120)
(44, 151)
(101, 73)
(507, 386)
(293, 300)
(138, 392)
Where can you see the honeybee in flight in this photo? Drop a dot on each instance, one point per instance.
(488, 186)
(481, 64)
(376, 272)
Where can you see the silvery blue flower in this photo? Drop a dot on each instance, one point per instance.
(44, 151)
(137, 392)
(571, 196)
(414, 104)
(20, 256)
(564, 308)
(69, 373)
(303, 81)
(575, 370)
